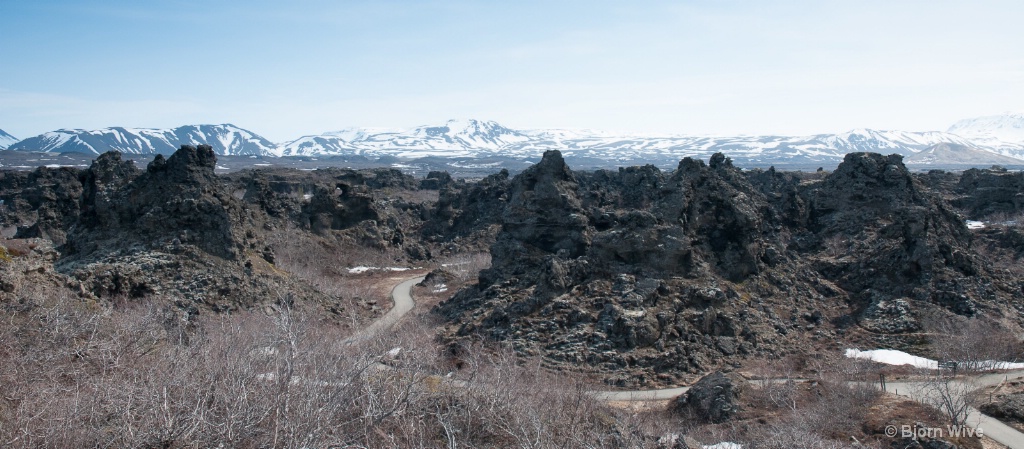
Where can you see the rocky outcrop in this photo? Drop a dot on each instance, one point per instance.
(467, 216)
(437, 180)
(1008, 407)
(899, 239)
(714, 398)
(175, 201)
(649, 277)
(641, 276)
(995, 193)
(42, 203)
(180, 232)
(889, 317)
(337, 207)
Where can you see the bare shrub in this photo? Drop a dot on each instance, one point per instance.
(76, 374)
(953, 397)
(836, 246)
(418, 196)
(1013, 219)
(822, 412)
(467, 266)
(1006, 259)
(506, 401)
(323, 264)
(973, 343)
(789, 436)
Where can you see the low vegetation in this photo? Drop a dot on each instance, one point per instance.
(135, 374)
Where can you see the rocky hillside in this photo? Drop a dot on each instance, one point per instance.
(641, 276)
(177, 232)
(648, 277)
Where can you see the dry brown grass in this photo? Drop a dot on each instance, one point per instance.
(421, 196)
(324, 264)
(74, 374)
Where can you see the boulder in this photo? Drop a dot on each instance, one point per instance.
(714, 398)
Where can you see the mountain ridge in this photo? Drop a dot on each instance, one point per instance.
(992, 140)
(226, 139)
(6, 140)
(1003, 133)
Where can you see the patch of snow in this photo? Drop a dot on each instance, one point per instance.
(221, 167)
(363, 269)
(724, 445)
(894, 357)
(971, 224)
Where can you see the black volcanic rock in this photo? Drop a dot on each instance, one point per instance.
(42, 203)
(991, 193)
(464, 209)
(543, 216)
(177, 232)
(897, 238)
(177, 198)
(649, 277)
(1008, 407)
(714, 398)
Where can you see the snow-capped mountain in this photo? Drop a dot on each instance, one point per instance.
(454, 138)
(998, 139)
(6, 140)
(1001, 133)
(225, 139)
(956, 154)
(475, 138)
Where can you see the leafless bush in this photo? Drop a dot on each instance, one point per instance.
(75, 374)
(836, 246)
(504, 400)
(1000, 258)
(775, 385)
(823, 411)
(312, 257)
(953, 397)
(323, 264)
(418, 196)
(1008, 219)
(790, 436)
(973, 343)
(467, 266)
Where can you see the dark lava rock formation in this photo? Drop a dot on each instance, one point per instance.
(649, 277)
(204, 242)
(714, 398)
(640, 276)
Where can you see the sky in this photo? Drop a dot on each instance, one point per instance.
(719, 67)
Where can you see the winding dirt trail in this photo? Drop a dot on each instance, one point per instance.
(401, 295)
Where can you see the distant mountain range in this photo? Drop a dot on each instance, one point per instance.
(1003, 134)
(978, 141)
(6, 140)
(225, 139)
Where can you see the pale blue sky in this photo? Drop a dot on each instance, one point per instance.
(286, 69)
